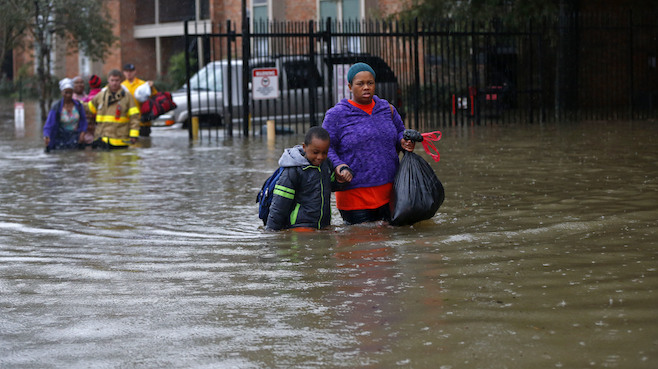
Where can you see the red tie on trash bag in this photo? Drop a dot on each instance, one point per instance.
(428, 145)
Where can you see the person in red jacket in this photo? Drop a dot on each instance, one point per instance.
(94, 89)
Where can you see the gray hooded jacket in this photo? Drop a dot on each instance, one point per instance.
(302, 195)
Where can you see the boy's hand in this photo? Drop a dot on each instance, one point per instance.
(344, 173)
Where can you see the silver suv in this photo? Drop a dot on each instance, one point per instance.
(299, 82)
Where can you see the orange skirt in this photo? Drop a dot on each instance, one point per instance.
(364, 197)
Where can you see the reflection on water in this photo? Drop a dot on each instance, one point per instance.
(543, 255)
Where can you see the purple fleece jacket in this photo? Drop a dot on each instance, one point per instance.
(368, 144)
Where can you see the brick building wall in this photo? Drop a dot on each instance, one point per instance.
(139, 52)
(221, 11)
(72, 64)
(299, 10)
(22, 58)
(113, 58)
(384, 8)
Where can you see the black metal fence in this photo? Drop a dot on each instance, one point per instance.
(442, 73)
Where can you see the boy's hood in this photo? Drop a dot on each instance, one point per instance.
(293, 157)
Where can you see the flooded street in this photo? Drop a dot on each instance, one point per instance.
(543, 255)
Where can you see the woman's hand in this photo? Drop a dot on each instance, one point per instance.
(343, 174)
(46, 140)
(408, 145)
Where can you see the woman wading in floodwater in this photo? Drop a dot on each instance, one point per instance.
(366, 135)
(66, 123)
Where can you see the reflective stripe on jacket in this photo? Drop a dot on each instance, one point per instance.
(121, 124)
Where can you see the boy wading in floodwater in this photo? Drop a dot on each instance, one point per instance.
(302, 195)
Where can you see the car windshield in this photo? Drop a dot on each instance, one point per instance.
(207, 79)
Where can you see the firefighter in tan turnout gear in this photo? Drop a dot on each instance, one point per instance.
(117, 116)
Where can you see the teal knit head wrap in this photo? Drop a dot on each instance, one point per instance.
(356, 68)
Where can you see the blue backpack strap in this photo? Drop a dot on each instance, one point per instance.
(264, 197)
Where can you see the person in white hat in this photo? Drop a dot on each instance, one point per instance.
(66, 123)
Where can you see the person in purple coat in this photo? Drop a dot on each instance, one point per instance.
(66, 123)
(366, 135)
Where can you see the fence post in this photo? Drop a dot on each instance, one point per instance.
(228, 116)
(327, 40)
(476, 80)
(540, 56)
(246, 72)
(416, 76)
(187, 78)
(566, 73)
(531, 112)
(313, 92)
(630, 65)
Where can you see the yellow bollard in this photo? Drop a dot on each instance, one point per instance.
(271, 135)
(195, 128)
(271, 130)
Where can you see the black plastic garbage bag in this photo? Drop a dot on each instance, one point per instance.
(417, 191)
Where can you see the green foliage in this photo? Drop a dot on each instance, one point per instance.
(511, 12)
(6, 86)
(177, 68)
(13, 22)
(84, 25)
(24, 86)
(164, 84)
(175, 76)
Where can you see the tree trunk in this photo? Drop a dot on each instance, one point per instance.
(41, 36)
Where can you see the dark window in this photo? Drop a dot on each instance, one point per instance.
(145, 12)
(180, 10)
(205, 9)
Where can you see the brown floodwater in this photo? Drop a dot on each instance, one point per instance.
(543, 255)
